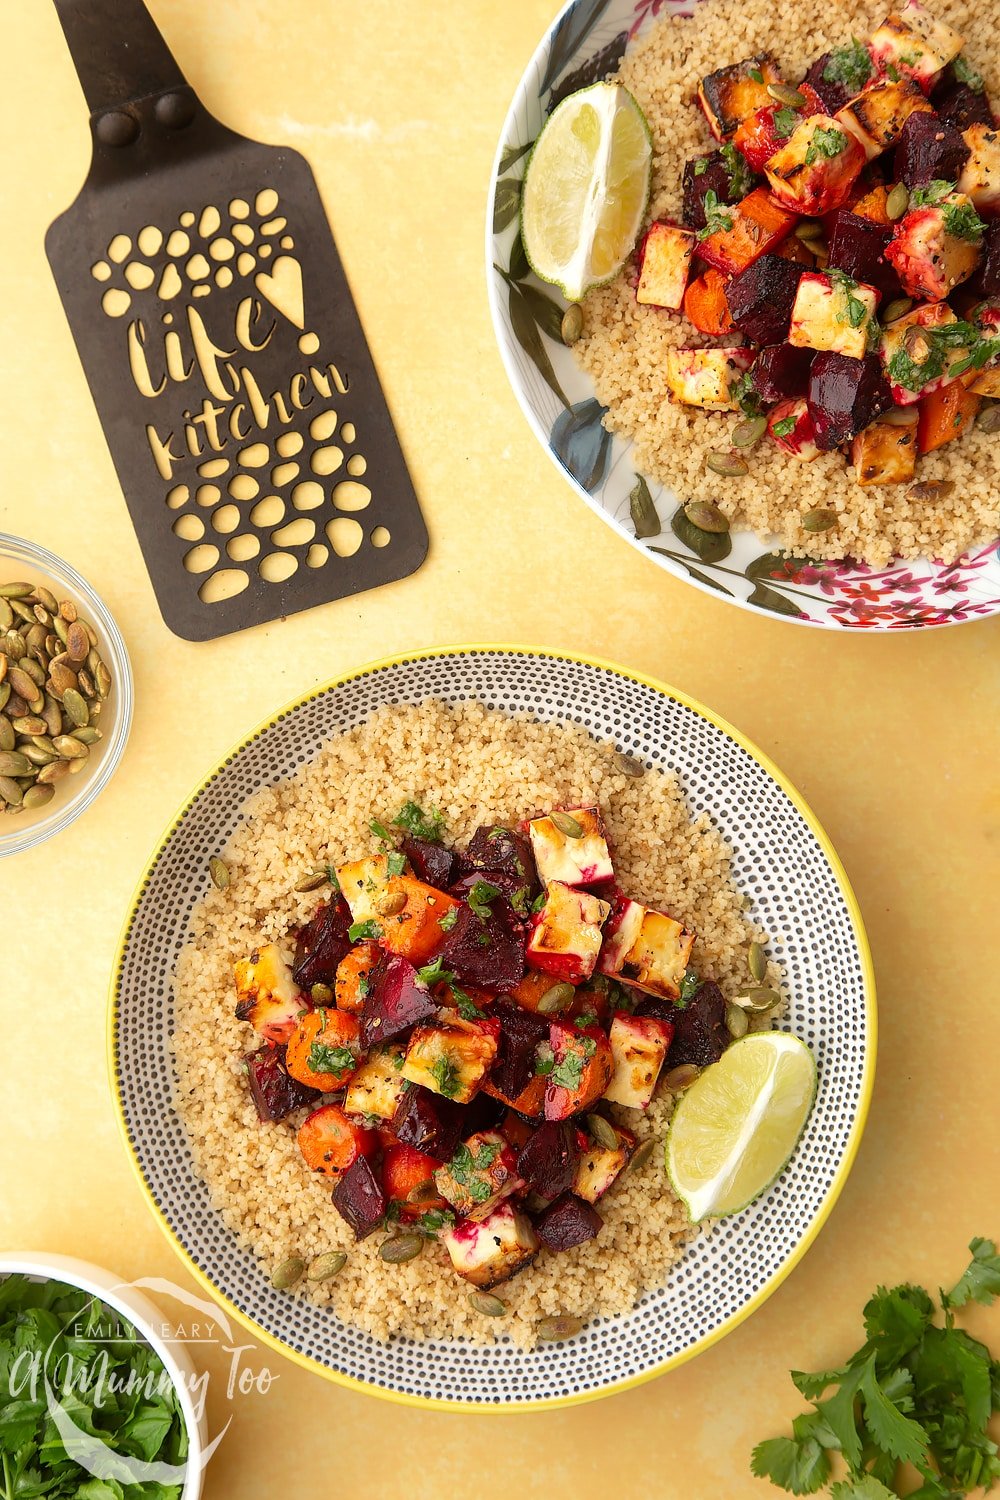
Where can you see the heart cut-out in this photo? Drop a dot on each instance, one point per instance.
(282, 286)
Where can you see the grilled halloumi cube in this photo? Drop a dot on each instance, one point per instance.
(876, 117)
(980, 178)
(362, 882)
(621, 933)
(598, 1166)
(665, 263)
(833, 312)
(706, 377)
(914, 43)
(791, 427)
(906, 353)
(268, 996)
(646, 949)
(377, 1087)
(566, 938)
(936, 247)
(480, 1175)
(488, 1251)
(730, 95)
(886, 452)
(814, 171)
(574, 858)
(638, 1045)
(449, 1061)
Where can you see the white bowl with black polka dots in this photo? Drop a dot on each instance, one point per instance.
(800, 895)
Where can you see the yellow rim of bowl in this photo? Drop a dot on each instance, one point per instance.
(429, 1403)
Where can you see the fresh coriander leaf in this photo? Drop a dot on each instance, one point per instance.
(756, 75)
(813, 1386)
(418, 824)
(326, 1059)
(893, 1432)
(838, 1411)
(801, 1467)
(825, 143)
(864, 1487)
(895, 1322)
(588, 1018)
(966, 73)
(364, 986)
(435, 973)
(480, 897)
(981, 1282)
(380, 831)
(569, 1071)
(368, 931)
(746, 397)
(962, 222)
(445, 1075)
(851, 66)
(436, 1220)
(738, 171)
(331, 876)
(487, 1155)
(701, 166)
(539, 902)
(892, 72)
(930, 193)
(784, 428)
(396, 863)
(544, 1060)
(717, 220)
(467, 1007)
(690, 985)
(449, 919)
(786, 121)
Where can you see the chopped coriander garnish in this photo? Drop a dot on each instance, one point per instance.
(479, 898)
(467, 1007)
(569, 1071)
(962, 222)
(855, 309)
(746, 397)
(544, 1060)
(717, 220)
(738, 172)
(930, 193)
(826, 142)
(380, 831)
(435, 1220)
(892, 72)
(756, 75)
(851, 66)
(445, 1075)
(331, 876)
(364, 986)
(786, 121)
(784, 428)
(369, 930)
(325, 1059)
(449, 919)
(418, 824)
(588, 1018)
(966, 73)
(701, 166)
(538, 903)
(397, 863)
(435, 973)
(913, 374)
(691, 983)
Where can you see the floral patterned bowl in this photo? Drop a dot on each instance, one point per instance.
(585, 42)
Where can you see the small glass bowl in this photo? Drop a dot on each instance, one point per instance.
(25, 561)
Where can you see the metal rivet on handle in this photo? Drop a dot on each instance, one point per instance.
(116, 128)
(174, 111)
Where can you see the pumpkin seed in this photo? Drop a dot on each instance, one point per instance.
(809, 229)
(39, 756)
(785, 94)
(87, 685)
(61, 628)
(10, 791)
(21, 683)
(899, 416)
(15, 590)
(683, 1076)
(41, 614)
(401, 1248)
(13, 763)
(14, 645)
(642, 1154)
(603, 1132)
(102, 679)
(487, 1304)
(30, 724)
(310, 882)
(556, 998)
(566, 824)
(757, 963)
(68, 611)
(61, 677)
(52, 715)
(321, 994)
(77, 641)
(38, 796)
(88, 735)
(390, 903)
(628, 766)
(989, 419)
(75, 708)
(729, 465)
(219, 872)
(76, 766)
(706, 516)
(898, 201)
(424, 1192)
(571, 326)
(4, 693)
(562, 1326)
(736, 1021)
(47, 598)
(757, 998)
(749, 433)
(33, 669)
(819, 519)
(6, 733)
(897, 309)
(930, 489)
(69, 748)
(326, 1267)
(54, 772)
(23, 611)
(288, 1274)
(6, 615)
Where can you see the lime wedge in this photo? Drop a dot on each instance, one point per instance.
(737, 1125)
(586, 189)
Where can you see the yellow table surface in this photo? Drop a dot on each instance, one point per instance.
(893, 740)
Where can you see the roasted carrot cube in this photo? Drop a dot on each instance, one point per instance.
(582, 1069)
(351, 983)
(945, 415)
(755, 226)
(408, 1180)
(330, 1142)
(730, 95)
(323, 1049)
(415, 931)
(530, 1101)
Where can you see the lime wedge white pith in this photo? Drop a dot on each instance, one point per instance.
(737, 1125)
(586, 189)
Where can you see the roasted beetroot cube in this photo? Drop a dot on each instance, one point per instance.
(833, 93)
(486, 945)
(509, 885)
(396, 1001)
(503, 851)
(713, 173)
(857, 246)
(359, 1199)
(430, 1122)
(844, 396)
(548, 1160)
(700, 1034)
(761, 298)
(929, 150)
(568, 1222)
(484, 1112)
(520, 1033)
(986, 281)
(958, 104)
(432, 863)
(321, 944)
(274, 1091)
(781, 373)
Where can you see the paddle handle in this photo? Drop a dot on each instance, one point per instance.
(119, 53)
